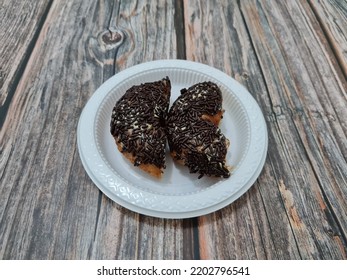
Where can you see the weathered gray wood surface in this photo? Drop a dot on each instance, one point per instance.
(291, 55)
(21, 22)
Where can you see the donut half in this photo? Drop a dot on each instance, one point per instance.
(194, 137)
(138, 125)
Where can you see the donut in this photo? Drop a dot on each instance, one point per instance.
(194, 138)
(138, 125)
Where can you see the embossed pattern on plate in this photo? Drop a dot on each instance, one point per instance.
(178, 194)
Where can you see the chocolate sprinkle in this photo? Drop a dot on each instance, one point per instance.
(138, 122)
(196, 141)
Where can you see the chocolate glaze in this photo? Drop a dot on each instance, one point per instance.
(138, 122)
(198, 142)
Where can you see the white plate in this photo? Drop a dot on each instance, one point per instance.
(178, 194)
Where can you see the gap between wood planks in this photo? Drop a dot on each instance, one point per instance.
(180, 30)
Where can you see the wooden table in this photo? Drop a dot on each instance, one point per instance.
(290, 55)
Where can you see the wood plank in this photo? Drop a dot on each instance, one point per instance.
(296, 208)
(40, 129)
(44, 187)
(150, 34)
(20, 24)
(218, 37)
(332, 16)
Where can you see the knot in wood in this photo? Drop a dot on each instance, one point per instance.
(245, 75)
(112, 37)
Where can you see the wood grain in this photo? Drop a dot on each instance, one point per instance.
(297, 207)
